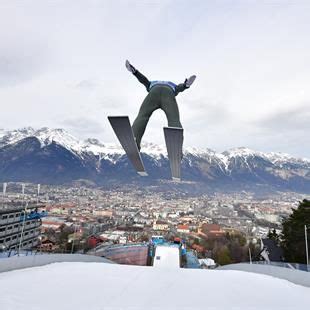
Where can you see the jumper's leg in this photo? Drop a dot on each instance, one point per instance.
(149, 105)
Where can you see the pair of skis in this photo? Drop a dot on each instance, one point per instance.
(174, 140)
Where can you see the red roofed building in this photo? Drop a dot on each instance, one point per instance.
(93, 241)
(211, 230)
(183, 229)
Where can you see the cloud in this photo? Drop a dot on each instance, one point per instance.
(284, 131)
(83, 127)
(209, 111)
(66, 63)
(87, 84)
(288, 120)
(17, 66)
(24, 44)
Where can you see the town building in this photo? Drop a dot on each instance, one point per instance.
(19, 228)
(183, 229)
(160, 225)
(211, 230)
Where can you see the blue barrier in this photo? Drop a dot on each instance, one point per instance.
(33, 215)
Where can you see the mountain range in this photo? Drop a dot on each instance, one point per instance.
(53, 156)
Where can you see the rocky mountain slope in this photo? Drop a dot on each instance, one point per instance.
(54, 156)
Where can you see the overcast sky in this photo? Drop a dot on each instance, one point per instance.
(62, 66)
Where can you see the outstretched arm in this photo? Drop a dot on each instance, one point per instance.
(187, 83)
(179, 88)
(141, 78)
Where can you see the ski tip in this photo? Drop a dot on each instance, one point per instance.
(178, 128)
(143, 173)
(176, 179)
(118, 117)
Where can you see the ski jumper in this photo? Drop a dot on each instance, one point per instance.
(161, 96)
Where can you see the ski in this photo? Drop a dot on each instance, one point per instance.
(122, 128)
(174, 142)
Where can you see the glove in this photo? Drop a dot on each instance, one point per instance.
(188, 82)
(129, 67)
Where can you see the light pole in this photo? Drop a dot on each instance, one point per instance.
(24, 219)
(40, 241)
(4, 191)
(22, 232)
(38, 193)
(306, 242)
(72, 247)
(250, 255)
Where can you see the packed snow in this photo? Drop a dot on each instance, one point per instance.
(99, 286)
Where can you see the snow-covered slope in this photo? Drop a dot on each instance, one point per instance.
(98, 286)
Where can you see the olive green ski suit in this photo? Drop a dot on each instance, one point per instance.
(161, 96)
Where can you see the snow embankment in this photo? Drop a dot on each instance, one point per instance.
(295, 276)
(99, 286)
(21, 262)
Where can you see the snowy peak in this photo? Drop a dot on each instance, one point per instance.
(274, 157)
(111, 151)
(283, 158)
(199, 152)
(93, 141)
(45, 135)
(102, 162)
(241, 152)
(11, 137)
(154, 150)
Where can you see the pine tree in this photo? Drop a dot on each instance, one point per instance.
(293, 234)
(273, 235)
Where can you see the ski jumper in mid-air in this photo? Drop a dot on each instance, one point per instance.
(161, 95)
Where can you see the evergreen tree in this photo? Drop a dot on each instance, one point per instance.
(222, 256)
(293, 234)
(273, 235)
(269, 235)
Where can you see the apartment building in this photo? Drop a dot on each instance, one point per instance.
(19, 227)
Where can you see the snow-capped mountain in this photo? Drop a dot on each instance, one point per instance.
(44, 135)
(47, 136)
(274, 157)
(55, 156)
